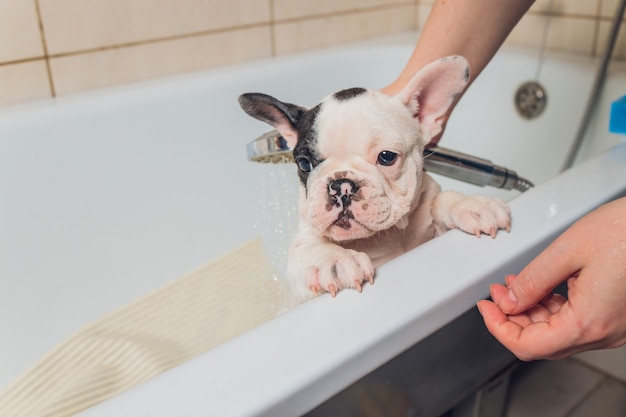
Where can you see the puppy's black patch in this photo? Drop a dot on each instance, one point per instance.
(307, 141)
(270, 110)
(349, 93)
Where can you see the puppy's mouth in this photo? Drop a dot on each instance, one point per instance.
(350, 227)
(343, 220)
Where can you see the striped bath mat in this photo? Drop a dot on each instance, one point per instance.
(184, 319)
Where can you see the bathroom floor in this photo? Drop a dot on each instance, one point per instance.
(566, 388)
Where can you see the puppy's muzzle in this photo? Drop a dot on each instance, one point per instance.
(341, 192)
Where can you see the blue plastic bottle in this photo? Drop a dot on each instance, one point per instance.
(617, 119)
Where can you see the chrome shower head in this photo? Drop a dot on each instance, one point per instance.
(271, 147)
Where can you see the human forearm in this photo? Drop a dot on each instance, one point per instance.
(474, 29)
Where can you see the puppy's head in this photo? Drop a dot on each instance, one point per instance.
(359, 151)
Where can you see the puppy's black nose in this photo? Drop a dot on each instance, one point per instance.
(342, 189)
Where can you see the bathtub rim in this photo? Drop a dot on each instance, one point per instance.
(269, 401)
(307, 369)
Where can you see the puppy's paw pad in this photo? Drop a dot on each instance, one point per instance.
(479, 215)
(345, 268)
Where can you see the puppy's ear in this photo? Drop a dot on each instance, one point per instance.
(283, 117)
(431, 92)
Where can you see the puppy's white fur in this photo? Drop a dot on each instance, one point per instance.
(358, 210)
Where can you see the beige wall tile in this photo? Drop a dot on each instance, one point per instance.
(23, 81)
(289, 9)
(75, 25)
(138, 62)
(619, 50)
(319, 32)
(572, 35)
(529, 31)
(609, 7)
(568, 7)
(128, 40)
(423, 10)
(20, 37)
(564, 33)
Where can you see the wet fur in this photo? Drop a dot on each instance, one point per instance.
(357, 210)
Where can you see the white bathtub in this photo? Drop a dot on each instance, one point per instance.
(108, 195)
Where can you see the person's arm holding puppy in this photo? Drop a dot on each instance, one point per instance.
(591, 255)
(474, 29)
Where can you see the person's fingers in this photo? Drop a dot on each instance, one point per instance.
(555, 264)
(548, 305)
(521, 319)
(508, 280)
(541, 312)
(553, 302)
(538, 313)
(527, 339)
(498, 291)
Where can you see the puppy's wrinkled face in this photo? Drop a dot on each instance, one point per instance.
(359, 151)
(360, 162)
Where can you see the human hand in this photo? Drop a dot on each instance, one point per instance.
(395, 87)
(533, 323)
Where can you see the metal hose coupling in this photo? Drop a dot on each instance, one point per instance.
(272, 148)
(473, 170)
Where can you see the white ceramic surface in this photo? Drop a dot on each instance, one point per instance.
(108, 195)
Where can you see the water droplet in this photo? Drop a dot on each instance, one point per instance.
(553, 210)
(277, 222)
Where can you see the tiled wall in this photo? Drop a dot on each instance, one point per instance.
(579, 26)
(56, 47)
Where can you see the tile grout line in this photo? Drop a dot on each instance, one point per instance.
(605, 377)
(272, 23)
(272, 28)
(353, 10)
(596, 29)
(585, 397)
(45, 49)
(599, 370)
(131, 44)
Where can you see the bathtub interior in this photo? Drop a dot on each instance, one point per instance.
(111, 194)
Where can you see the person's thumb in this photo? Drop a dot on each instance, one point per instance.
(553, 266)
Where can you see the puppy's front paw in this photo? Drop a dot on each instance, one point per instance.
(474, 214)
(331, 268)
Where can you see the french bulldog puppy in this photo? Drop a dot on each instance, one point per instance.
(365, 197)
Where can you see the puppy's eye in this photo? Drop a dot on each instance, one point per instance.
(387, 158)
(304, 164)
